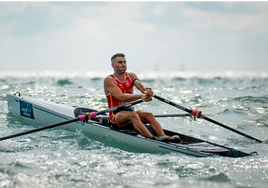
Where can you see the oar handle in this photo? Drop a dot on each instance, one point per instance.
(199, 114)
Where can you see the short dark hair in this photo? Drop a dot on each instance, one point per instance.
(117, 55)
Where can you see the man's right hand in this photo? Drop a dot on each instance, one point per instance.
(146, 97)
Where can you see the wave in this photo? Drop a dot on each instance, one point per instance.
(63, 82)
(260, 99)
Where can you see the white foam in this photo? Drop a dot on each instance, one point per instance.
(140, 74)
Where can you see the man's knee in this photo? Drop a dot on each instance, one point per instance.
(149, 114)
(134, 115)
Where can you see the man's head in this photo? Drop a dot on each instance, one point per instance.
(119, 63)
(113, 59)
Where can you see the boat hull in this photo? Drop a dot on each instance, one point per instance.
(46, 113)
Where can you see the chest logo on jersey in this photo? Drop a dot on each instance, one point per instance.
(127, 84)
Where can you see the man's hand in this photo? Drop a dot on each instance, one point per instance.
(149, 92)
(146, 97)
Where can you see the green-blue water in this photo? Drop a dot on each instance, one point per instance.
(61, 158)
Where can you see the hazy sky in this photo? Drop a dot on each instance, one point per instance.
(206, 36)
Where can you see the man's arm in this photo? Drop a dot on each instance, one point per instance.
(111, 87)
(142, 88)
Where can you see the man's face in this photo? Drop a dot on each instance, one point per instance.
(120, 65)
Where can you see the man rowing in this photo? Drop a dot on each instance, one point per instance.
(118, 88)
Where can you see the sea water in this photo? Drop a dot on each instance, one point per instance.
(62, 158)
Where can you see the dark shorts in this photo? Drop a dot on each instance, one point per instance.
(114, 125)
(124, 109)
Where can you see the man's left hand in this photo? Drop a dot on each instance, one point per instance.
(149, 92)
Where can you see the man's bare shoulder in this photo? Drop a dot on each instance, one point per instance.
(108, 79)
(132, 75)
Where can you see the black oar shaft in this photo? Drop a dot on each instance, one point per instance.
(79, 118)
(206, 118)
(156, 115)
(172, 103)
(120, 107)
(232, 129)
(171, 115)
(39, 129)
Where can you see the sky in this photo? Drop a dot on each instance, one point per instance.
(74, 36)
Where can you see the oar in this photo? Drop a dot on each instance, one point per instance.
(84, 117)
(171, 115)
(156, 115)
(199, 114)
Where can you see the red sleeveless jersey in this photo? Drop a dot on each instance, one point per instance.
(126, 87)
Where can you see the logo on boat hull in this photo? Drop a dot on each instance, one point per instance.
(26, 110)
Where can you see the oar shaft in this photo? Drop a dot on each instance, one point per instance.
(204, 117)
(39, 129)
(172, 103)
(171, 115)
(232, 129)
(79, 118)
(156, 115)
(94, 114)
(120, 107)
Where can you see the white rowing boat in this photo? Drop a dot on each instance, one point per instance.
(44, 113)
